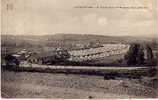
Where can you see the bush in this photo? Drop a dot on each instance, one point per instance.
(151, 62)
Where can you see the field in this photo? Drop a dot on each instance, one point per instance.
(51, 85)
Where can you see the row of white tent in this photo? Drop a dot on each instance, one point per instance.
(105, 48)
(98, 54)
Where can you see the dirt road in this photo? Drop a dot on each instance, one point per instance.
(30, 65)
(49, 85)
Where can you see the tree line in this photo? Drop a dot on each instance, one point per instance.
(140, 54)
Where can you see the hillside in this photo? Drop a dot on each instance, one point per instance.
(66, 40)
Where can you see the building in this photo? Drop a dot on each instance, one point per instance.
(22, 55)
(42, 58)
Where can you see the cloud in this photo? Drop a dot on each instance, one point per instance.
(55, 16)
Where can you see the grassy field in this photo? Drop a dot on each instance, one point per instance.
(70, 86)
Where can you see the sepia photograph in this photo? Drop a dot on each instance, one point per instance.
(79, 49)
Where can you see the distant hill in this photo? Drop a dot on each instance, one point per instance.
(66, 40)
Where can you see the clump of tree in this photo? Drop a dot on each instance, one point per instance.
(11, 60)
(136, 55)
(150, 61)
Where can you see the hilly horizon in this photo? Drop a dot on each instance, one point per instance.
(77, 37)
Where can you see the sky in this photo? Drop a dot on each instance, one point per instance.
(41, 17)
